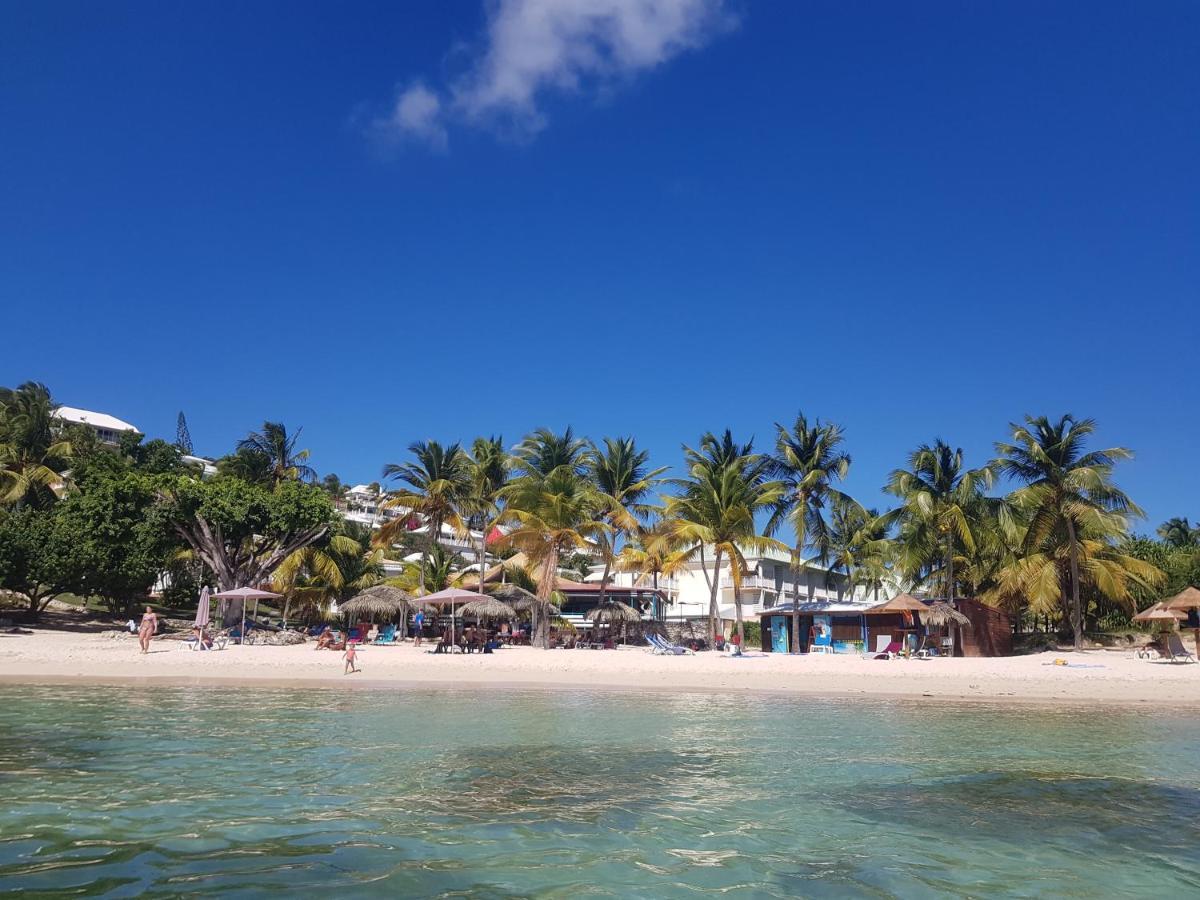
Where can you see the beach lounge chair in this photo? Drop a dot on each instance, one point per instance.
(387, 635)
(1176, 652)
(891, 651)
(660, 646)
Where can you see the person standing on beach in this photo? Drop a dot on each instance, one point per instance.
(418, 625)
(350, 655)
(147, 629)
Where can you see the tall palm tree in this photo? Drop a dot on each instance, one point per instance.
(440, 570)
(438, 492)
(543, 451)
(552, 515)
(859, 545)
(716, 507)
(1179, 532)
(620, 472)
(652, 552)
(490, 465)
(278, 454)
(33, 458)
(1068, 497)
(942, 507)
(807, 460)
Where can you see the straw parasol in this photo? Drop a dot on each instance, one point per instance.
(1187, 599)
(614, 611)
(898, 604)
(940, 614)
(389, 602)
(520, 599)
(488, 608)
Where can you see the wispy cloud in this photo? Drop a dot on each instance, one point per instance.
(533, 48)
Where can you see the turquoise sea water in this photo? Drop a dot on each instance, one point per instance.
(121, 791)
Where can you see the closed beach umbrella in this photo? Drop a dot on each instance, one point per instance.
(202, 611)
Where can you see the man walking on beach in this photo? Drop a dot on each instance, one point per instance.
(418, 624)
(349, 656)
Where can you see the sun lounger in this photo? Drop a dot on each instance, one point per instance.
(660, 646)
(387, 635)
(891, 651)
(1176, 652)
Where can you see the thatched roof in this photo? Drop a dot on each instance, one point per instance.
(614, 611)
(372, 605)
(1188, 598)
(899, 603)
(488, 608)
(1159, 611)
(940, 613)
(513, 594)
(389, 593)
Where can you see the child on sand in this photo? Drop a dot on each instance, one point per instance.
(349, 656)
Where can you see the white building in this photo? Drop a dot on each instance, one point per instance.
(769, 582)
(108, 428)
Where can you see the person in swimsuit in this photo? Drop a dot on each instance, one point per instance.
(147, 629)
(351, 653)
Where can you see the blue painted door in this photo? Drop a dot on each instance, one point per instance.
(779, 634)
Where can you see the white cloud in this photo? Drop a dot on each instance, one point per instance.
(535, 47)
(418, 115)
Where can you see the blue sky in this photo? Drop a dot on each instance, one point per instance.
(387, 222)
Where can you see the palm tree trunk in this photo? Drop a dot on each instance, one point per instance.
(741, 629)
(604, 577)
(950, 568)
(797, 567)
(713, 613)
(540, 626)
(1076, 605)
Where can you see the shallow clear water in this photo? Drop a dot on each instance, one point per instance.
(122, 791)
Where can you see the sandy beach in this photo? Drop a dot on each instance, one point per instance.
(1104, 677)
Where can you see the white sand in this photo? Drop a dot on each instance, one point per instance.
(1094, 677)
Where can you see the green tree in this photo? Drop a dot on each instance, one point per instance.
(337, 567)
(621, 472)
(490, 464)
(807, 461)
(1073, 510)
(716, 507)
(35, 562)
(858, 544)
(33, 458)
(118, 549)
(438, 491)
(243, 531)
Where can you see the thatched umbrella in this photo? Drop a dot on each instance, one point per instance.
(1188, 598)
(898, 604)
(941, 614)
(520, 599)
(488, 608)
(615, 611)
(373, 605)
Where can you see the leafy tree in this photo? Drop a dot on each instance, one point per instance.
(807, 461)
(621, 472)
(117, 548)
(337, 567)
(438, 492)
(858, 544)
(33, 458)
(544, 451)
(439, 570)
(716, 506)
(243, 531)
(35, 563)
(1074, 511)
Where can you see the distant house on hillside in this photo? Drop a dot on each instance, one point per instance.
(108, 428)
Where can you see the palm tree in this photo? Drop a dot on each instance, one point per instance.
(716, 506)
(651, 551)
(942, 507)
(274, 451)
(807, 461)
(543, 451)
(33, 458)
(553, 514)
(344, 566)
(1179, 532)
(441, 569)
(490, 464)
(859, 545)
(438, 492)
(1068, 499)
(619, 471)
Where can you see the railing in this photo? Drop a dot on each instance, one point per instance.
(750, 583)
